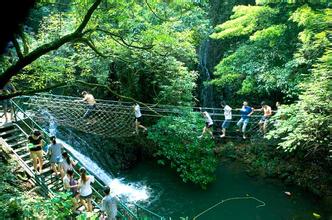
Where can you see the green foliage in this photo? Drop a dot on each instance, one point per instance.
(178, 145)
(277, 49)
(58, 207)
(17, 203)
(244, 21)
(305, 125)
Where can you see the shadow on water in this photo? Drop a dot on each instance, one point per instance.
(176, 199)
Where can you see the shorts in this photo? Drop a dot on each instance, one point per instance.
(86, 197)
(226, 123)
(58, 160)
(264, 119)
(36, 154)
(207, 125)
(139, 119)
(89, 111)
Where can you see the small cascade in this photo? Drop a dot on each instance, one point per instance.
(206, 95)
(129, 192)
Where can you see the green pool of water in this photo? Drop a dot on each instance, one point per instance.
(171, 197)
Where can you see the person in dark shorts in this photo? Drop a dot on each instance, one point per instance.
(35, 143)
(85, 189)
(138, 118)
(91, 103)
(228, 118)
(265, 118)
(208, 124)
(7, 106)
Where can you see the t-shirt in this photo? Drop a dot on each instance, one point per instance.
(109, 205)
(228, 112)
(66, 166)
(137, 111)
(208, 119)
(35, 142)
(85, 189)
(55, 152)
(67, 182)
(245, 111)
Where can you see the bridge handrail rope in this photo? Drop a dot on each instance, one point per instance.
(114, 118)
(103, 102)
(36, 125)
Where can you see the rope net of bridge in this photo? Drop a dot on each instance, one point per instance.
(110, 118)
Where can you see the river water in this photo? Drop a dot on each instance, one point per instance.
(162, 191)
(170, 197)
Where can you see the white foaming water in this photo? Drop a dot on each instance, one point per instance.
(131, 192)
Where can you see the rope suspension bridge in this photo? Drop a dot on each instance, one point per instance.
(110, 118)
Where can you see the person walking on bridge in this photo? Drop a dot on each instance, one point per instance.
(208, 124)
(228, 118)
(265, 118)
(246, 111)
(138, 118)
(90, 100)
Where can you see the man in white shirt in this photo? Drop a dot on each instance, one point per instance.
(138, 118)
(208, 124)
(228, 118)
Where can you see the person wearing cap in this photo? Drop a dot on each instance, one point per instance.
(54, 151)
(35, 142)
(109, 204)
(85, 190)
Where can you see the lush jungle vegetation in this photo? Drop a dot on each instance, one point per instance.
(150, 51)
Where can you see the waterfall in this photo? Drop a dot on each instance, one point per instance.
(130, 192)
(206, 95)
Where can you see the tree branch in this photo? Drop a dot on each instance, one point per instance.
(30, 92)
(92, 46)
(153, 12)
(38, 52)
(122, 41)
